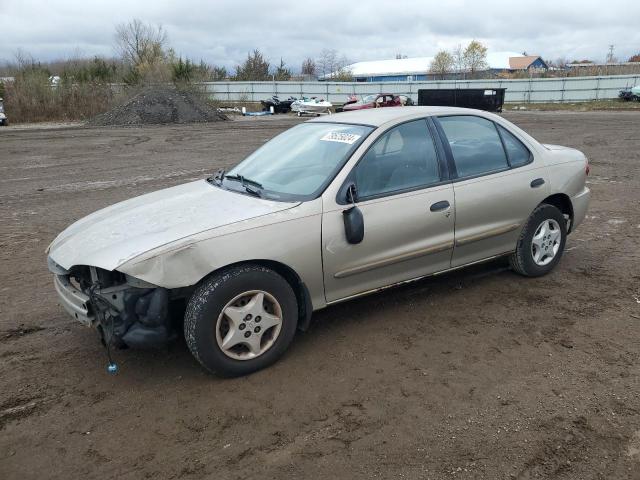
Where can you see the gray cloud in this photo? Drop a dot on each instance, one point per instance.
(223, 31)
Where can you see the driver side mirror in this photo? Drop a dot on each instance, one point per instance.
(352, 217)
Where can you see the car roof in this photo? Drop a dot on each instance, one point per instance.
(376, 117)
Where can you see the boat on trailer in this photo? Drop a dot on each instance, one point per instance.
(311, 106)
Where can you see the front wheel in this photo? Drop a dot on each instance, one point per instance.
(241, 320)
(541, 242)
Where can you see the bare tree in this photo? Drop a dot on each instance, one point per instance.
(475, 57)
(442, 64)
(140, 43)
(458, 60)
(332, 65)
(308, 67)
(327, 61)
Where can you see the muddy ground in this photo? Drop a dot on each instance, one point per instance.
(477, 374)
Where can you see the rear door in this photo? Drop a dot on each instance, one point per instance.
(499, 183)
(407, 206)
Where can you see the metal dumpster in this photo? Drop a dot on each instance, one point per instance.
(489, 99)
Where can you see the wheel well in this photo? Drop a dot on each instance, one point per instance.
(305, 309)
(563, 203)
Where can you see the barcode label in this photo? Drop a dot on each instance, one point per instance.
(341, 137)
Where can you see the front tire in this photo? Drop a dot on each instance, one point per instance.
(541, 242)
(241, 320)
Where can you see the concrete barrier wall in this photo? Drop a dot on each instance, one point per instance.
(537, 90)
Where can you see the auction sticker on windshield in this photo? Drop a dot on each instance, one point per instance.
(341, 137)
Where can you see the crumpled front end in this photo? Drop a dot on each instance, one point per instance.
(125, 311)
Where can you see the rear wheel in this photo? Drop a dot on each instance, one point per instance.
(241, 320)
(541, 242)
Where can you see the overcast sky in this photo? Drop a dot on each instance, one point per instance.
(222, 31)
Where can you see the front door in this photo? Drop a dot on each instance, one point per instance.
(408, 216)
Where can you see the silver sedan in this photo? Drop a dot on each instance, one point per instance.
(331, 209)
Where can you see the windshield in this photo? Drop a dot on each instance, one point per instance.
(299, 163)
(369, 98)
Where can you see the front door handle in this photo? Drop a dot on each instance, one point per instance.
(442, 205)
(538, 182)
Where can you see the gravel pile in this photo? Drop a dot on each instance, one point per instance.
(160, 105)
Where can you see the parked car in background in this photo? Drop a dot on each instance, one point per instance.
(373, 101)
(331, 209)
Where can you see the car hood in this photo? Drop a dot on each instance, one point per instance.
(116, 234)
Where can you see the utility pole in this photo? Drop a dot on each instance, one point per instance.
(610, 55)
(609, 59)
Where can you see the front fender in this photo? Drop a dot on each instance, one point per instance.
(294, 240)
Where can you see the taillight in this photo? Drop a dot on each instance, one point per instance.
(587, 168)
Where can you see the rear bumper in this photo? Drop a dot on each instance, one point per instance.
(580, 205)
(73, 300)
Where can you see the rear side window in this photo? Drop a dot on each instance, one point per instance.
(475, 145)
(518, 154)
(401, 159)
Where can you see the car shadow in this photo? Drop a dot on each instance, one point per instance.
(176, 359)
(386, 300)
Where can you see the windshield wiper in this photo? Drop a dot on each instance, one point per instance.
(247, 183)
(244, 180)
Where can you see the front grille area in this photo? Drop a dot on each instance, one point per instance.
(81, 276)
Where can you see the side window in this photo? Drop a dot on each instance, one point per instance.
(475, 145)
(518, 154)
(403, 158)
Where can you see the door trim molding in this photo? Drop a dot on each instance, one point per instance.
(441, 272)
(486, 234)
(383, 262)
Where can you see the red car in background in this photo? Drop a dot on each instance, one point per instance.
(375, 101)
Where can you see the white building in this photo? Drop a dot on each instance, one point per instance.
(417, 68)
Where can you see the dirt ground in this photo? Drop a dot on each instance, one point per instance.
(477, 374)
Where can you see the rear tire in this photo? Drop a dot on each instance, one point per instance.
(541, 242)
(240, 320)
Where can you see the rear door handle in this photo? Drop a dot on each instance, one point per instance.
(537, 182)
(442, 205)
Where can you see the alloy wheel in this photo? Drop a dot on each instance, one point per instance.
(249, 325)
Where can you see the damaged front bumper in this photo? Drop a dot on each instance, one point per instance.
(126, 311)
(73, 300)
